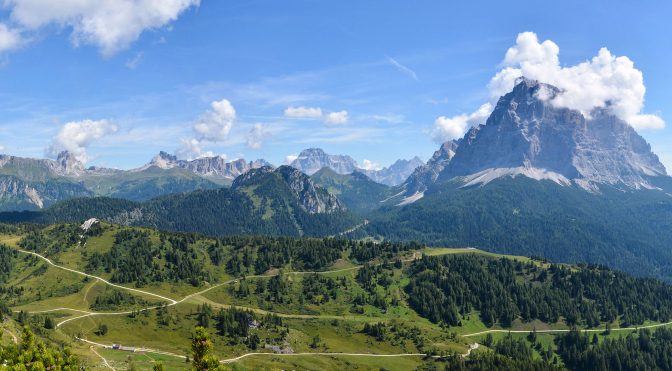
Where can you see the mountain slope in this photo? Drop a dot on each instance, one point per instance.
(631, 231)
(263, 201)
(357, 191)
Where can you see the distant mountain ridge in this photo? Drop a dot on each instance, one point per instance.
(30, 184)
(216, 166)
(278, 202)
(312, 160)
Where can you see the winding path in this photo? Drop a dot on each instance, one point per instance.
(171, 302)
(96, 277)
(567, 330)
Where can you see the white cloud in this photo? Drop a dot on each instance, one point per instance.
(403, 69)
(303, 112)
(329, 119)
(212, 127)
(216, 123)
(290, 158)
(77, 136)
(9, 38)
(256, 136)
(111, 25)
(370, 165)
(336, 118)
(449, 128)
(2, 148)
(604, 81)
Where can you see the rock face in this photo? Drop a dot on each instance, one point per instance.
(312, 198)
(313, 160)
(207, 166)
(425, 175)
(527, 135)
(396, 173)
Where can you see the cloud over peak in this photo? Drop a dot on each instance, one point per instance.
(76, 136)
(604, 81)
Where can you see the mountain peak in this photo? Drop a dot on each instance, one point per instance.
(68, 163)
(311, 160)
(215, 166)
(312, 198)
(527, 134)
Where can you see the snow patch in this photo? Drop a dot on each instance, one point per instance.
(486, 176)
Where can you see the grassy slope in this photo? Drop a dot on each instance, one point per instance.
(339, 329)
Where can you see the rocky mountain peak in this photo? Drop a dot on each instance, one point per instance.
(526, 134)
(215, 166)
(425, 175)
(313, 198)
(396, 173)
(67, 164)
(164, 160)
(311, 160)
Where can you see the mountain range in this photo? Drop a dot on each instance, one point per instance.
(535, 179)
(312, 160)
(32, 184)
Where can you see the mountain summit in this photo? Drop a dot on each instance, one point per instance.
(215, 166)
(312, 160)
(528, 135)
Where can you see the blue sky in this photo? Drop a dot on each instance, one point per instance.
(394, 67)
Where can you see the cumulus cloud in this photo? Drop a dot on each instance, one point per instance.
(2, 148)
(604, 81)
(76, 136)
(316, 113)
(370, 165)
(336, 118)
(212, 127)
(9, 38)
(111, 25)
(449, 128)
(256, 136)
(216, 123)
(303, 112)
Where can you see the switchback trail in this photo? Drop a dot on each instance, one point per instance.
(172, 302)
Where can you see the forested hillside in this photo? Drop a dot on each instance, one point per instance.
(627, 230)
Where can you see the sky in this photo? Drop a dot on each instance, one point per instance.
(117, 81)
